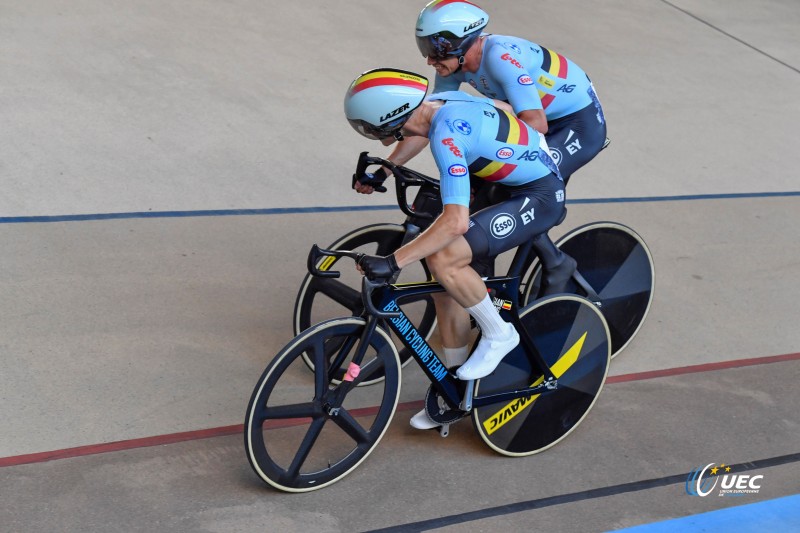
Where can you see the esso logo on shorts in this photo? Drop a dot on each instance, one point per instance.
(555, 153)
(457, 170)
(525, 80)
(503, 225)
(504, 153)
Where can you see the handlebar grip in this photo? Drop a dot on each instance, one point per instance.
(367, 287)
(361, 171)
(361, 167)
(314, 256)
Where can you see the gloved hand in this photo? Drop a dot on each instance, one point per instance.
(371, 181)
(378, 267)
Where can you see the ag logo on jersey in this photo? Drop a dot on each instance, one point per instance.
(462, 126)
(457, 170)
(504, 153)
(503, 225)
(525, 80)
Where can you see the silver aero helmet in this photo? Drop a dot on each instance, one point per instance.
(447, 28)
(380, 101)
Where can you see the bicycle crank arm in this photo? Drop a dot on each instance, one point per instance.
(466, 403)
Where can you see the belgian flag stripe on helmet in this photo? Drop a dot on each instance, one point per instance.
(437, 4)
(377, 79)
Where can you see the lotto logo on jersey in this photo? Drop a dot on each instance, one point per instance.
(525, 80)
(503, 225)
(507, 57)
(457, 170)
(505, 153)
(453, 148)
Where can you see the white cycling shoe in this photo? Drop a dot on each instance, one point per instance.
(487, 356)
(421, 420)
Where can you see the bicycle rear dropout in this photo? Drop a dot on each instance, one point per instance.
(304, 433)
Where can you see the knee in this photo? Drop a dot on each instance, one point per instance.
(438, 265)
(443, 266)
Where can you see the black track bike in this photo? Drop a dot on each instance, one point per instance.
(615, 267)
(303, 434)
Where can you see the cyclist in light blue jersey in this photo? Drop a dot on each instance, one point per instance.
(546, 90)
(469, 136)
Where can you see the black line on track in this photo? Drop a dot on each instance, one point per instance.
(613, 490)
(358, 208)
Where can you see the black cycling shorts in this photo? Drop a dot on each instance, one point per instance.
(527, 211)
(576, 138)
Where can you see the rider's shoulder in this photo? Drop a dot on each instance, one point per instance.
(454, 99)
(496, 46)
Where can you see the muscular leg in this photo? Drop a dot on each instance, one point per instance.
(451, 267)
(453, 322)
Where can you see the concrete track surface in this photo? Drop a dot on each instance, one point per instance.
(167, 165)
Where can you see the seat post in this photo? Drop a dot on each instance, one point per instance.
(549, 255)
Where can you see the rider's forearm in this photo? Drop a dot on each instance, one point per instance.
(405, 150)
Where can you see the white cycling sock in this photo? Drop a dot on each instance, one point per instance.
(455, 356)
(487, 317)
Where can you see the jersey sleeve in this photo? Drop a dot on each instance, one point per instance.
(506, 67)
(449, 151)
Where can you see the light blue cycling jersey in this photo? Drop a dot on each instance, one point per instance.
(511, 67)
(469, 136)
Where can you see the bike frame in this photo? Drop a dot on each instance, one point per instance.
(383, 304)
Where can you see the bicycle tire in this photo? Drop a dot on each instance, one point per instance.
(617, 263)
(343, 295)
(572, 336)
(297, 444)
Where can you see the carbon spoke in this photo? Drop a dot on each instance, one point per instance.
(305, 447)
(350, 426)
(339, 292)
(297, 410)
(320, 368)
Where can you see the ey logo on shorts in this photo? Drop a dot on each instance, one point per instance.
(503, 225)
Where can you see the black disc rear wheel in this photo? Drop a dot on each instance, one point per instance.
(617, 264)
(572, 337)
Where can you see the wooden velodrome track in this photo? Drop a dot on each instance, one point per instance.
(166, 166)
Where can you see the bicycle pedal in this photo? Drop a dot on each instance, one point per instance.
(444, 430)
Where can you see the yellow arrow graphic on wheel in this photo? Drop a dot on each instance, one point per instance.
(515, 407)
